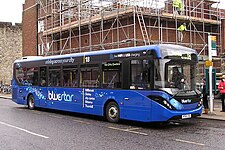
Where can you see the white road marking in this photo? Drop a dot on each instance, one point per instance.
(129, 130)
(12, 126)
(55, 116)
(81, 121)
(184, 141)
(36, 112)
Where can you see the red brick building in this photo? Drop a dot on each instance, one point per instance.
(29, 28)
(53, 27)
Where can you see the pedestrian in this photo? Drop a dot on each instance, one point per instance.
(221, 87)
(180, 30)
(205, 99)
(177, 7)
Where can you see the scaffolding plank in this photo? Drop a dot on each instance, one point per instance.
(112, 15)
(195, 19)
(84, 22)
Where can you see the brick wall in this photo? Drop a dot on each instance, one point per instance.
(223, 35)
(10, 49)
(29, 28)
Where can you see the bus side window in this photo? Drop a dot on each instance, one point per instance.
(32, 76)
(111, 79)
(43, 82)
(21, 75)
(140, 74)
(43, 76)
(54, 76)
(90, 76)
(111, 75)
(70, 76)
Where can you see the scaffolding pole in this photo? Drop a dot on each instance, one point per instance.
(67, 24)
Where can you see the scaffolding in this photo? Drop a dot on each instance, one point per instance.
(68, 26)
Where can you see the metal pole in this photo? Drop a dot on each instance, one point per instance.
(134, 16)
(37, 35)
(79, 22)
(210, 73)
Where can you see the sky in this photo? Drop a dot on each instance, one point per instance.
(11, 10)
(221, 5)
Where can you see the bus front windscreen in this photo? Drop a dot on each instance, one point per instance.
(173, 75)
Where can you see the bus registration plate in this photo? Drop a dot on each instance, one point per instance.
(186, 116)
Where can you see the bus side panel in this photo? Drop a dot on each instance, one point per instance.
(41, 96)
(19, 93)
(132, 105)
(74, 100)
(14, 91)
(160, 113)
(135, 106)
(20, 97)
(92, 101)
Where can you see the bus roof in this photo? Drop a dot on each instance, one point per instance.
(161, 50)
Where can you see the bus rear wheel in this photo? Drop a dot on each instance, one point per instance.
(31, 103)
(112, 112)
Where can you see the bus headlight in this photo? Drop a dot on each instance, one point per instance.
(167, 104)
(200, 102)
(161, 101)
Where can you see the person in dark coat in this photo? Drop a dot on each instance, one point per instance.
(205, 100)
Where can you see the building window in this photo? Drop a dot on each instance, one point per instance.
(85, 41)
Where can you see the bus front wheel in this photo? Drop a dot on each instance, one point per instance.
(31, 102)
(112, 112)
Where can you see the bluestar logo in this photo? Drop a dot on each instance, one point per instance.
(60, 97)
(185, 101)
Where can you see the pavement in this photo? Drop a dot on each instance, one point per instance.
(214, 115)
(6, 96)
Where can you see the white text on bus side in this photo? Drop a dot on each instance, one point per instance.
(60, 97)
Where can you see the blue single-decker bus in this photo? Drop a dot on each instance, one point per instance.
(154, 83)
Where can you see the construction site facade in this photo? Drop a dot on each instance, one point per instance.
(52, 27)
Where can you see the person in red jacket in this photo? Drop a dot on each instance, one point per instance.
(221, 87)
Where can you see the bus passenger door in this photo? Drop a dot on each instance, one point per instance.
(14, 90)
(18, 83)
(136, 104)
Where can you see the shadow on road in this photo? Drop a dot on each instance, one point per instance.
(152, 125)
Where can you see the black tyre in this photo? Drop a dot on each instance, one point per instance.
(31, 104)
(112, 112)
